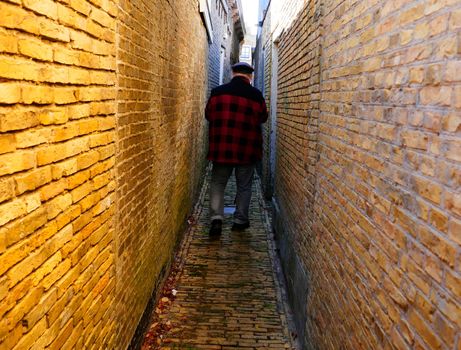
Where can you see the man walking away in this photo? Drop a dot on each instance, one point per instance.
(235, 112)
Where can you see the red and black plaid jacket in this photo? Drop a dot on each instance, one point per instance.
(235, 112)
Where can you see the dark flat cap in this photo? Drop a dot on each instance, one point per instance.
(242, 67)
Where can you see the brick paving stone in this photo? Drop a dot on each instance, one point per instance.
(227, 293)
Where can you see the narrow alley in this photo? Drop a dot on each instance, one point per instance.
(105, 150)
(226, 293)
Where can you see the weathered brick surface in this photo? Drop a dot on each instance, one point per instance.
(160, 143)
(99, 162)
(367, 180)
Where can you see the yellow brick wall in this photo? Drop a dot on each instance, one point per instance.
(99, 163)
(368, 173)
(57, 154)
(159, 140)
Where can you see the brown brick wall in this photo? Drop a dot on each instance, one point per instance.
(99, 163)
(267, 127)
(375, 222)
(160, 142)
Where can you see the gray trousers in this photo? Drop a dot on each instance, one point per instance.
(219, 177)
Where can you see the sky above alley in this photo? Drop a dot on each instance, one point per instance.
(250, 14)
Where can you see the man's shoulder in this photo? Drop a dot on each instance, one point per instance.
(221, 89)
(247, 91)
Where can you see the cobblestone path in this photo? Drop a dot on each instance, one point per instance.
(226, 294)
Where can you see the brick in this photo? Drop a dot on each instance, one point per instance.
(6, 189)
(453, 202)
(61, 151)
(53, 189)
(53, 117)
(453, 147)
(81, 41)
(17, 18)
(34, 94)
(66, 132)
(453, 230)
(32, 202)
(439, 25)
(45, 269)
(87, 159)
(39, 256)
(19, 69)
(417, 75)
(30, 338)
(8, 43)
(457, 97)
(56, 274)
(427, 334)
(103, 18)
(450, 309)
(67, 216)
(40, 310)
(102, 167)
(427, 189)
(71, 341)
(43, 7)
(13, 337)
(79, 76)
(64, 95)
(14, 162)
(79, 111)
(103, 108)
(53, 31)
(453, 71)
(23, 307)
(414, 139)
(412, 14)
(433, 74)
(452, 123)
(422, 31)
(58, 205)
(7, 143)
(35, 49)
(78, 179)
(22, 228)
(438, 96)
(59, 307)
(65, 56)
(455, 20)
(81, 6)
(81, 192)
(64, 168)
(63, 335)
(453, 282)
(30, 138)
(102, 139)
(13, 256)
(10, 93)
(446, 48)
(439, 220)
(70, 18)
(87, 126)
(106, 152)
(20, 121)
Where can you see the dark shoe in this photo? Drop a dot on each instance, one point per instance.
(216, 227)
(240, 227)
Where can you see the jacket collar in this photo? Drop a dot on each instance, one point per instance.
(241, 78)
